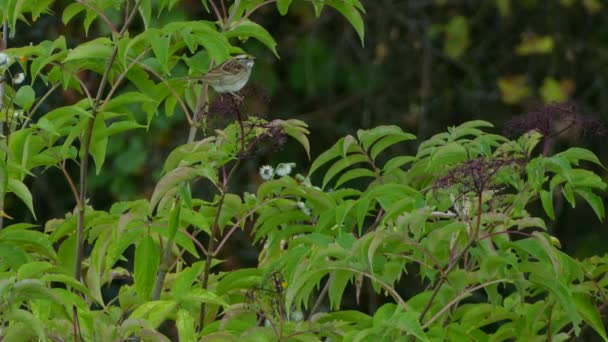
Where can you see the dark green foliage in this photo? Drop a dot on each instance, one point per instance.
(456, 218)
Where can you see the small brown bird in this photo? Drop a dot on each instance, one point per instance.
(230, 76)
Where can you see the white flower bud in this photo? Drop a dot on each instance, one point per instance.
(19, 78)
(4, 59)
(266, 172)
(302, 206)
(284, 169)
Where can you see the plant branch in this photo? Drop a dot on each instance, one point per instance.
(459, 297)
(40, 102)
(84, 165)
(241, 221)
(216, 11)
(319, 300)
(4, 173)
(181, 102)
(211, 243)
(249, 13)
(200, 103)
(121, 77)
(389, 289)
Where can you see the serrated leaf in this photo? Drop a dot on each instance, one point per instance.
(327, 156)
(595, 202)
(147, 261)
(29, 320)
(447, 155)
(387, 142)
(155, 312)
(575, 154)
(590, 314)
(342, 164)
(70, 11)
(19, 189)
(397, 162)
(546, 199)
(248, 29)
(351, 13)
(200, 295)
(354, 174)
(145, 10)
(30, 241)
(173, 178)
(185, 326)
(337, 283)
(283, 6)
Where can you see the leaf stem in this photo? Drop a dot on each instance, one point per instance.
(84, 165)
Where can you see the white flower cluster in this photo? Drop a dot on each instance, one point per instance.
(5, 60)
(20, 77)
(267, 172)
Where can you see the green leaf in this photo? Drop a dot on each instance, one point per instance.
(325, 157)
(145, 10)
(409, 323)
(590, 314)
(594, 201)
(12, 256)
(161, 44)
(397, 162)
(562, 293)
(185, 326)
(387, 142)
(337, 283)
(185, 279)
(354, 174)
(369, 136)
(533, 44)
(342, 164)
(25, 97)
(447, 155)
(575, 154)
(147, 260)
(30, 321)
(351, 13)
(30, 241)
(298, 130)
(70, 11)
(250, 29)
(283, 6)
(552, 91)
(546, 199)
(19, 189)
(200, 295)
(155, 312)
(100, 48)
(456, 37)
(173, 178)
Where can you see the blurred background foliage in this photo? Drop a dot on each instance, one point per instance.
(425, 65)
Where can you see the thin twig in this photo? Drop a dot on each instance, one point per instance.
(319, 300)
(240, 221)
(217, 12)
(121, 77)
(214, 231)
(4, 174)
(459, 297)
(87, 145)
(181, 102)
(249, 13)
